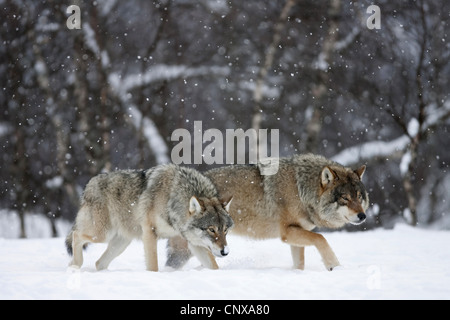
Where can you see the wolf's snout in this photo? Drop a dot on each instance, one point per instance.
(224, 251)
(361, 216)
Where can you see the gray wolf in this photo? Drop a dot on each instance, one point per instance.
(308, 191)
(161, 202)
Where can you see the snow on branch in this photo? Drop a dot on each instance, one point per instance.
(437, 115)
(348, 40)
(154, 139)
(155, 73)
(89, 39)
(378, 149)
(267, 91)
(163, 72)
(92, 44)
(322, 59)
(370, 150)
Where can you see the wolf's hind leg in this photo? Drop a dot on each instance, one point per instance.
(115, 247)
(298, 257)
(205, 257)
(78, 241)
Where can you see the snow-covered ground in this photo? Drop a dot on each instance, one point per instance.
(404, 263)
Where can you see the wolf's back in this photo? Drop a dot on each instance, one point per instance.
(235, 180)
(197, 183)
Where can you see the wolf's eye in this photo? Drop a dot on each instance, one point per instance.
(345, 197)
(225, 230)
(211, 230)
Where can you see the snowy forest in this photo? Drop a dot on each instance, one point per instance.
(108, 95)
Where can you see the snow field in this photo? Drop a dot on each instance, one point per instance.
(404, 263)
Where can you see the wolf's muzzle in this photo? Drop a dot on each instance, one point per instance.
(224, 251)
(361, 216)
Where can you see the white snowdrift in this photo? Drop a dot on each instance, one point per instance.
(404, 263)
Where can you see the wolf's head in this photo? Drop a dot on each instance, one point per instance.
(343, 198)
(209, 223)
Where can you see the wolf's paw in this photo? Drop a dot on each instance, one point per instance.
(332, 265)
(169, 269)
(332, 268)
(337, 268)
(72, 268)
(99, 265)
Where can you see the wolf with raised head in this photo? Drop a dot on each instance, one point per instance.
(306, 192)
(162, 202)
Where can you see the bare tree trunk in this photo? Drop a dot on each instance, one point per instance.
(416, 137)
(22, 190)
(268, 62)
(92, 116)
(104, 154)
(20, 170)
(61, 131)
(319, 89)
(408, 185)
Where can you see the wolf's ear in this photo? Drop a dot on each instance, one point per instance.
(226, 202)
(360, 171)
(327, 176)
(194, 205)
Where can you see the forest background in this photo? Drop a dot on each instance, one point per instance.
(76, 102)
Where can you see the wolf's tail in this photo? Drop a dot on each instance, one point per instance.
(69, 241)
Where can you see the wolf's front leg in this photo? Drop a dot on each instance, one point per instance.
(150, 241)
(298, 257)
(295, 236)
(205, 257)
